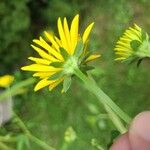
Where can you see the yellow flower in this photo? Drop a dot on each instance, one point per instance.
(6, 80)
(59, 55)
(133, 45)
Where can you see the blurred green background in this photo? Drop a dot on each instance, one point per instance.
(49, 114)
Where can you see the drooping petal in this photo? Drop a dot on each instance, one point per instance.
(74, 33)
(87, 32)
(41, 84)
(37, 67)
(43, 74)
(92, 57)
(55, 83)
(120, 58)
(40, 60)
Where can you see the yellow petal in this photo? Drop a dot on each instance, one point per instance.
(40, 60)
(124, 44)
(131, 36)
(55, 83)
(74, 33)
(122, 54)
(137, 27)
(37, 67)
(41, 84)
(51, 39)
(135, 32)
(92, 57)
(120, 58)
(47, 47)
(6, 80)
(67, 35)
(58, 41)
(62, 34)
(43, 54)
(87, 32)
(123, 49)
(43, 74)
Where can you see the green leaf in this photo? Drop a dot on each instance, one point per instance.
(57, 64)
(64, 53)
(67, 83)
(79, 49)
(135, 44)
(56, 76)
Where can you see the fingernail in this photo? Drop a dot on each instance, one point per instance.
(141, 125)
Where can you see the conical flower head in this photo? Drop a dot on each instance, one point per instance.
(133, 46)
(60, 55)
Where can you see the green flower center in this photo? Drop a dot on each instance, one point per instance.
(70, 65)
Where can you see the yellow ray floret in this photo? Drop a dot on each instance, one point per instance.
(38, 67)
(50, 37)
(92, 57)
(53, 84)
(87, 32)
(41, 84)
(43, 74)
(40, 60)
(74, 32)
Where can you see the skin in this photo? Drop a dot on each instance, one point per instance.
(138, 136)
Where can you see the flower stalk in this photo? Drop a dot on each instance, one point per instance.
(102, 97)
(116, 120)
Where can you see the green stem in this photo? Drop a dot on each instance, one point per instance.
(39, 142)
(102, 97)
(112, 115)
(116, 120)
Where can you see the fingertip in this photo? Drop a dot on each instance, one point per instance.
(139, 132)
(122, 143)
